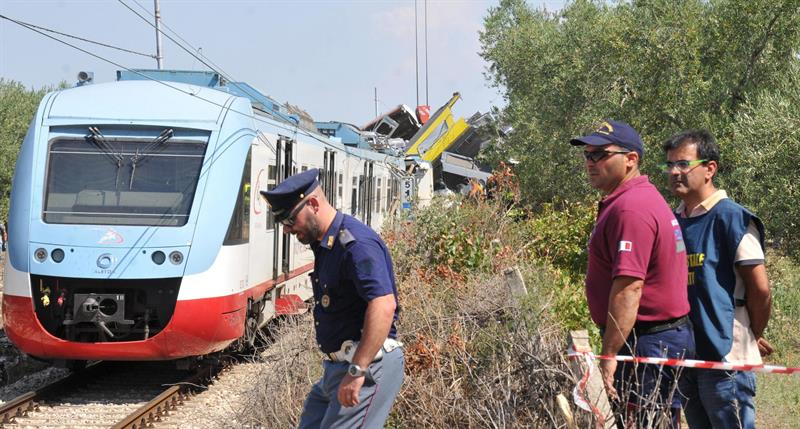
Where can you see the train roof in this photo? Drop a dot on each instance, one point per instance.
(146, 101)
(260, 102)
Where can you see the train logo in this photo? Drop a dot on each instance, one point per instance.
(111, 237)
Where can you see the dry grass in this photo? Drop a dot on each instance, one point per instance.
(476, 356)
(291, 366)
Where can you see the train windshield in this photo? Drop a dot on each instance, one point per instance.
(145, 178)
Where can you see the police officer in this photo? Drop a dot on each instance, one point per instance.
(355, 308)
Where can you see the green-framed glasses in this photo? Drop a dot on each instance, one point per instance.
(682, 165)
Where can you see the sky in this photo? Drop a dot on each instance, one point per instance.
(326, 56)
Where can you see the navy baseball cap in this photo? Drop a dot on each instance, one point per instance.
(613, 132)
(290, 192)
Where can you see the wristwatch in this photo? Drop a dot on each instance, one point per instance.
(356, 371)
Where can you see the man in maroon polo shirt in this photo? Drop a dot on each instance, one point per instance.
(636, 278)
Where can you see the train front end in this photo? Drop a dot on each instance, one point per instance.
(120, 192)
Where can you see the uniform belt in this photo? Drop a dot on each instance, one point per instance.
(643, 328)
(348, 350)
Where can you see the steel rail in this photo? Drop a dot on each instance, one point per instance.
(145, 416)
(152, 411)
(27, 402)
(173, 397)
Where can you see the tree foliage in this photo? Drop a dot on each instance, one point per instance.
(766, 154)
(660, 65)
(17, 107)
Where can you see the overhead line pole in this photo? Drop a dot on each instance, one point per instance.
(159, 56)
(426, 54)
(416, 49)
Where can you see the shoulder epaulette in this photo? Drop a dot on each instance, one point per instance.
(346, 237)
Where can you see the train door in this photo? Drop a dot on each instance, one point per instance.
(370, 194)
(286, 242)
(328, 178)
(263, 174)
(276, 226)
(354, 185)
(362, 193)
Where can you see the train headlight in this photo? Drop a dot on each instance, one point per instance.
(158, 257)
(57, 255)
(176, 257)
(40, 255)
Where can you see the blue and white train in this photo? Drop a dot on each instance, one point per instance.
(137, 228)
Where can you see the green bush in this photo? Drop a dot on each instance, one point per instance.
(560, 234)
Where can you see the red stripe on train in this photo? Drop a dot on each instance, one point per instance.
(197, 327)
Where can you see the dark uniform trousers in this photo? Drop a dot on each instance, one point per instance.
(381, 386)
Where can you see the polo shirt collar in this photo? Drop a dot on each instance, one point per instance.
(632, 183)
(330, 236)
(705, 206)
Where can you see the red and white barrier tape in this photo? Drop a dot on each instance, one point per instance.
(579, 392)
(692, 363)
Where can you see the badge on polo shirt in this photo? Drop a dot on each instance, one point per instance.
(325, 301)
(625, 246)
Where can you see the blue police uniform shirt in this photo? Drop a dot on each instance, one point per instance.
(711, 242)
(352, 266)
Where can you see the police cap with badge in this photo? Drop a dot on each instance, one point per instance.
(284, 197)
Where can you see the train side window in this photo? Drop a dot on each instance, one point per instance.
(354, 197)
(321, 178)
(340, 190)
(303, 168)
(271, 176)
(363, 199)
(379, 205)
(239, 226)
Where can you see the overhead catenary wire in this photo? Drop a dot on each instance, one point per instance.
(216, 68)
(190, 51)
(204, 60)
(294, 129)
(50, 30)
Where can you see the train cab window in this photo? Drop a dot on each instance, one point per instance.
(239, 226)
(143, 176)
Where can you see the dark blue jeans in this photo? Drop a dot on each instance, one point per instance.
(719, 399)
(652, 391)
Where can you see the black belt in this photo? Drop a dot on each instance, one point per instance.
(643, 328)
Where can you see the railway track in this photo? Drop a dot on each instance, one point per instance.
(108, 395)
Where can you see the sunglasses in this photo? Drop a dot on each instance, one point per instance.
(683, 166)
(598, 155)
(290, 220)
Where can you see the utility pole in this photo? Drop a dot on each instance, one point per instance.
(426, 54)
(159, 55)
(416, 49)
(376, 101)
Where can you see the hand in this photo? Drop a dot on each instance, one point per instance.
(764, 347)
(349, 389)
(607, 369)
